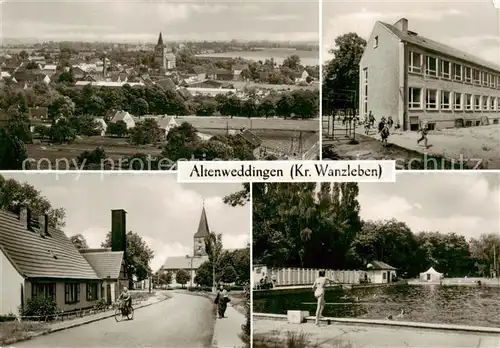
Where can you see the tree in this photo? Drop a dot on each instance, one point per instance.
(138, 255)
(292, 62)
(163, 278)
(213, 248)
(92, 159)
(118, 129)
(140, 107)
(13, 152)
(79, 242)
(239, 198)
(182, 277)
(204, 275)
(14, 194)
(341, 74)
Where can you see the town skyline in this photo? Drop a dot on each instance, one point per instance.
(166, 218)
(137, 21)
(452, 23)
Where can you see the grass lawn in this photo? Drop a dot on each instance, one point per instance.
(19, 330)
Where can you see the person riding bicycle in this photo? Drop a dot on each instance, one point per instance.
(126, 301)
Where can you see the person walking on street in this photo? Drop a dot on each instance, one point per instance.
(221, 300)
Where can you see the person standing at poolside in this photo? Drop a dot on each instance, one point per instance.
(319, 292)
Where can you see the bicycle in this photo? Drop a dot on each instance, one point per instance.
(123, 311)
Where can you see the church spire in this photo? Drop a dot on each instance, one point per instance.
(160, 39)
(203, 229)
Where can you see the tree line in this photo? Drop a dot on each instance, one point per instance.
(313, 225)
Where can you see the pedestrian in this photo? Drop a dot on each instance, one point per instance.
(319, 292)
(221, 300)
(381, 126)
(371, 118)
(423, 130)
(384, 134)
(390, 122)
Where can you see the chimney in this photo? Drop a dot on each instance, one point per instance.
(118, 230)
(25, 217)
(43, 222)
(402, 25)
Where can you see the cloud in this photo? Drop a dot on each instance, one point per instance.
(464, 203)
(278, 18)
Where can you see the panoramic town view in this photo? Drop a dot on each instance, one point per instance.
(418, 83)
(408, 264)
(155, 265)
(141, 85)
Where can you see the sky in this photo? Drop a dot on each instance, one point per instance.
(472, 26)
(165, 214)
(142, 20)
(467, 203)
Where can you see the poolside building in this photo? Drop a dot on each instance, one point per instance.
(415, 79)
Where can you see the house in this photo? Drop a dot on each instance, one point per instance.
(199, 72)
(101, 124)
(108, 84)
(39, 113)
(302, 76)
(221, 75)
(190, 263)
(379, 272)
(37, 259)
(78, 73)
(167, 83)
(431, 276)
(109, 266)
(167, 123)
(237, 69)
(49, 69)
(250, 138)
(125, 117)
(415, 79)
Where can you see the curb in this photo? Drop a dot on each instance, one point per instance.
(390, 323)
(49, 331)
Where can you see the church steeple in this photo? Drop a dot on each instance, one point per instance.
(160, 40)
(203, 229)
(199, 236)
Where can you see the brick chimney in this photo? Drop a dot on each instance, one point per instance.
(25, 217)
(43, 222)
(402, 25)
(118, 230)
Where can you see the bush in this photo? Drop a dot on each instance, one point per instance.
(42, 307)
(246, 327)
(101, 305)
(8, 317)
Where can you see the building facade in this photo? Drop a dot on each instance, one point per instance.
(415, 80)
(190, 263)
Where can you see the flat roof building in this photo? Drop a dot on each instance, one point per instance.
(415, 80)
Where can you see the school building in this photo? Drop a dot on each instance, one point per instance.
(415, 79)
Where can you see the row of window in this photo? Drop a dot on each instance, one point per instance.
(446, 100)
(437, 67)
(71, 292)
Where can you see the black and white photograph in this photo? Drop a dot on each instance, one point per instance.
(141, 84)
(123, 260)
(413, 263)
(417, 82)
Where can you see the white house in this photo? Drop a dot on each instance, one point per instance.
(259, 272)
(102, 126)
(431, 276)
(125, 117)
(379, 272)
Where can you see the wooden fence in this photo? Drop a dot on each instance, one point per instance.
(306, 276)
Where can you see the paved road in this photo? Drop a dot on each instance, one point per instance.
(182, 321)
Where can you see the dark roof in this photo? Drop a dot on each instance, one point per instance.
(39, 112)
(184, 93)
(34, 256)
(221, 72)
(166, 83)
(203, 230)
(239, 67)
(106, 263)
(251, 137)
(439, 47)
(160, 40)
(379, 265)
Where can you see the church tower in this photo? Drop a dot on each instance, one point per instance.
(161, 54)
(199, 237)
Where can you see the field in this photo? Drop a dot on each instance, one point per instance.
(306, 57)
(459, 148)
(115, 148)
(258, 123)
(242, 84)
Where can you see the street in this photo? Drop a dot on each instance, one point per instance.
(182, 321)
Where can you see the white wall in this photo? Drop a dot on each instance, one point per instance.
(10, 287)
